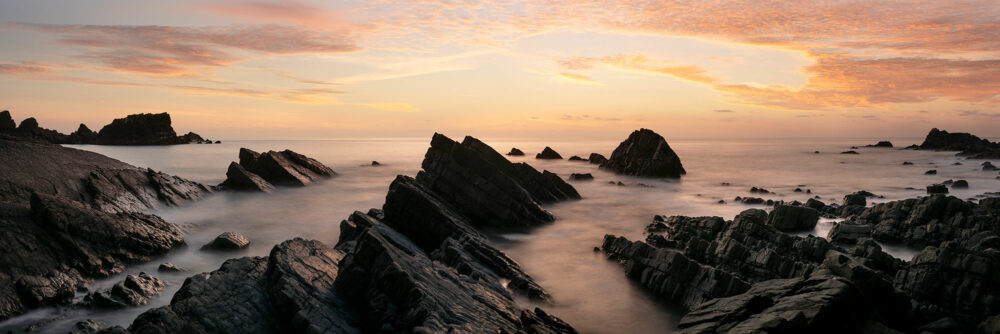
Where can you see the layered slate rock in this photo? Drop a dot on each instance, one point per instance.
(68, 216)
(485, 187)
(968, 145)
(548, 153)
(928, 221)
(135, 290)
(793, 218)
(262, 171)
(645, 153)
(228, 241)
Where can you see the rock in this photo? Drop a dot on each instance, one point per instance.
(135, 290)
(515, 152)
(859, 198)
(581, 177)
(548, 153)
(277, 168)
(375, 163)
(987, 166)
(597, 159)
(793, 218)
(238, 178)
(142, 129)
(849, 233)
(750, 200)
(907, 163)
(798, 190)
(645, 153)
(931, 172)
(960, 184)
(816, 205)
(883, 143)
(929, 220)
(228, 241)
(6, 122)
(850, 152)
(487, 188)
(169, 268)
(968, 145)
(937, 189)
(218, 142)
(756, 190)
(989, 326)
(82, 135)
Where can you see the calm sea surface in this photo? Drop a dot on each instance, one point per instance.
(590, 292)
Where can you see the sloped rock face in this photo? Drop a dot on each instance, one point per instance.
(483, 186)
(139, 129)
(548, 153)
(133, 291)
(67, 216)
(645, 153)
(228, 241)
(928, 220)
(275, 168)
(967, 144)
(793, 218)
(597, 159)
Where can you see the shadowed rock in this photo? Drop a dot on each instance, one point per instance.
(937, 189)
(645, 153)
(576, 158)
(581, 177)
(548, 153)
(515, 152)
(135, 290)
(228, 241)
(82, 135)
(6, 122)
(238, 178)
(884, 143)
(141, 129)
(967, 144)
(597, 159)
(275, 168)
(928, 220)
(793, 218)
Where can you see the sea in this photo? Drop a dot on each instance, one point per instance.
(590, 292)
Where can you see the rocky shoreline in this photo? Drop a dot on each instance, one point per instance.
(138, 129)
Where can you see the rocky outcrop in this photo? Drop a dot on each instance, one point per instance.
(988, 166)
(485, 187)
(597, 159)
(262, 171)
(138, 129)
(82, 135)
(576, 158)
(849, 233)
(68, 216)
(228, 241)
(792, 218)
(548, 153)
(928, 221)
(881, 144)
(6, 122)
(135, 290)
(645, 153)
(937, 189)
(515, 152)
(968, 145)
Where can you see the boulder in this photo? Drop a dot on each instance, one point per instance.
(645, 153)
(548, 153)
(931, 172)
(515, 152)
(597, 159)
(375, 163)
(238, 178)
(987, 166)
(277, 168)
(849, 233)
(228, 241)
(884, 143)
(169, 268)
(937, 189)
(135, 290)
(793, 218)
(960, 184)
(576, 158)
(968, 145)
(581, 177)
(907, 163)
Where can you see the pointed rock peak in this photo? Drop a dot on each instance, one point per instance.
(548, 153)
(645, 153)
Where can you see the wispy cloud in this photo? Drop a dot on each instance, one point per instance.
(393, 106)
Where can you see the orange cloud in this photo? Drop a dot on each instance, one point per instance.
(23, 68)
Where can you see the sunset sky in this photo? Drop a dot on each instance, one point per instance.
(570, 69)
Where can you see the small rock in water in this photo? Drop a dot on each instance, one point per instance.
(931, 172)
(756, 190)
(548, 153)
(798, 190)
(884, 143)
(725, 184)
(957, 164)
(722, 201)
(987, 166)
(169, 267)
(937, 189)
(515, 152)
(228, 241)
(849, 152)
(960, 184)
(597, 159)
(907, 163)
(620, 183)
(581, 177)
(218, 142)
(135, 290)
(816, 152)
(576, 158)
(376, 163)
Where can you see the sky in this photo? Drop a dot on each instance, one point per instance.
(592, 69)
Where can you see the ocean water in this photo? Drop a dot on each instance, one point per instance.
(590, 292)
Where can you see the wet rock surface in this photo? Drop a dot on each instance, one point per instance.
(928, 221)
(263, 171)
(645, 153)
(135, 290)
(793, 218)
(968, 145)
(228, 241)
(68, 216)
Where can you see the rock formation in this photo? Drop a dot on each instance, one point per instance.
(79, 212)
(597, 159)
(228, 241)
(929, 221)
(884, 143)
(576, 158)
(138, 129)
(581, 177)
(968, 145)
(515, 152)
(645, 153)
(135, 290)
(793, 218)
(262, 171)
(548, 153)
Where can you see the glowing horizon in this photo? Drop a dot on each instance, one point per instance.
(687, 69)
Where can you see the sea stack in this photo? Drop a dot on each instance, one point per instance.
(261, 171)
(645, 153)
(548, 153)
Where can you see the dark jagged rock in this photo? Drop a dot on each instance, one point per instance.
(6, 122)
(228, 241)
(988, 166)
(937, 189)
(955, 281)
(375, 163)
(135, 290)
(82, 135)
(931, 172)
(859, 198)
(548, 153)
(515, 152)
(275, 168)
(967, 144)
(884, 143)
(755, 190)
(142, 129)
(928, 220)
(483, 186)
(750, 200)
(238, 178)
(793, 218)
(645, 153)
(907, 163)
(581, 177)
(576, 158)
(960, 184)
(849, 233)
(169, 268)
(597, 159)
(849, 152)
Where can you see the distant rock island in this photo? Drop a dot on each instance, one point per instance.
(138, 129)
(967, 144)
(645, 153)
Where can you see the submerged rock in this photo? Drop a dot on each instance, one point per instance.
(548, 153)
(884, 143)
(849, 152)
(597, 159)
(960, 184)
(515, 152)
(576, 158)
(931, 172)
(645, 153)
(228, 241)
(987, 166)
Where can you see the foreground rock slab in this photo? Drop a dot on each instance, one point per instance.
(645, 153)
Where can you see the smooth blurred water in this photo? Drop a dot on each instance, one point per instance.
(590, 292)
